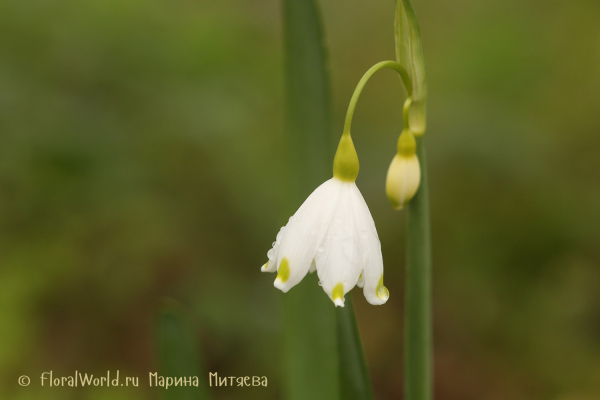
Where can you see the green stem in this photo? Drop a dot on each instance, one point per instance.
(418, 329)
(363, 81)
(405, 114)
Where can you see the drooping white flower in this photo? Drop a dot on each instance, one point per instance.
(334, 233)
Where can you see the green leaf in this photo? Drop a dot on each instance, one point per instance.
(312, 337)
(310, 343)
(310, 138)
(178, 354)
(310, 350)
(354, 375)
(409, 54)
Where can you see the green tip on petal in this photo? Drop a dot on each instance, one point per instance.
(338, 295)
(283, 273)
(345, 163)
(382, 292)
(264, 267)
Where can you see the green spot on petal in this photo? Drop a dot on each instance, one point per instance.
(338, 292)
(283, 273)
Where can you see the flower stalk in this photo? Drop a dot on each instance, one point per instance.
(418, 348)
(363, 81)
(418, 354)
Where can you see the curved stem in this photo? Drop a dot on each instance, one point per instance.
(363, 81)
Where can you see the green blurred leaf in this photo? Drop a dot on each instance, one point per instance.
(178, 353)
(308, 104)
(310, 341)
(315, 370)
(409, 54)
(354, 375)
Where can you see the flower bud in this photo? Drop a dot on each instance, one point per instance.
(404, 174)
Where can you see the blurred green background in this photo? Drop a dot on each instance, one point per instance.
(142, 155)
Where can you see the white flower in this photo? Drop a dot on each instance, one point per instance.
(334, 233)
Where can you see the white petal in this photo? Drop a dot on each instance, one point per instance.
(313, 267)
(338, 257)
(339, 302)
(268, 267)
(271, 265)
(301, 236)
(361, 280)
(370, 250)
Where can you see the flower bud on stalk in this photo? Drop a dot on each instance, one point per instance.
(404, 174)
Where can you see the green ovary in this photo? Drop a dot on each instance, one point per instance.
(345, 162)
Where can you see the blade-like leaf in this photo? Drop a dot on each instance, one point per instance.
(314, 370)
(178, 354)
(310, 343)
(409, 54)
(354, 375)
(308, 121)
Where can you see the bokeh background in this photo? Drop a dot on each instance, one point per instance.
(142, 155)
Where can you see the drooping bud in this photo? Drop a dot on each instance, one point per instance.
(404, 174)
(345, 162)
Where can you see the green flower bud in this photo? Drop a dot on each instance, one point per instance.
(404, 174)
